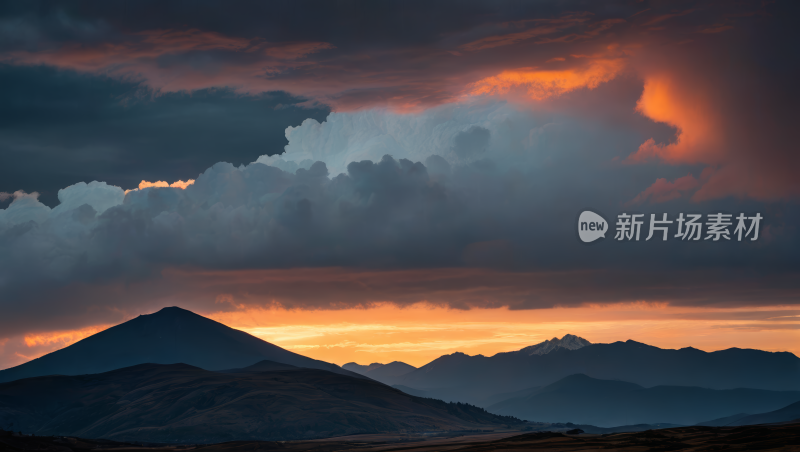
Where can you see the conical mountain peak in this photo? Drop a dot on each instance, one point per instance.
(169, 336)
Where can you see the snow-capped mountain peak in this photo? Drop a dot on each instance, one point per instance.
(569, 341)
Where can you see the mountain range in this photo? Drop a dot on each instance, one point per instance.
(607, 403)
(569, 342)
(169, 336)
(182, 403)
(479, 379)
(385, 373)
(391, 373)
(174, 375)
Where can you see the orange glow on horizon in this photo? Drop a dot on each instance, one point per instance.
(420, 333)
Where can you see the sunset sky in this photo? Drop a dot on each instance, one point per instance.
(380, 181)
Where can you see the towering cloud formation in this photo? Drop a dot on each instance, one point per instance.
(717, 74)
(384, 191)
(458, 133)
(471, 143)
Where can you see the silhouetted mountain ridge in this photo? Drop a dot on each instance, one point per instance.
(385, 373)
(183, 403)
(475, 379)
(171, 335)
(361, 369)
(262, 366)
(569, 341)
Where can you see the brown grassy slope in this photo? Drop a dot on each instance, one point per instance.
(775, 438)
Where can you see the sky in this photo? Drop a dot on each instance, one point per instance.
(380, 181)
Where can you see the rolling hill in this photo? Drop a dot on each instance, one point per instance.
(789, 413)
(181, 403)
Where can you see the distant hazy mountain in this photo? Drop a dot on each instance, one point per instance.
(785, 414)
(181, 403)
(361, 369)
(449, 394)
(385, 373)
(412, 391)
(171, 335)
(261, 366)
(606, 403)
(477, 379)
(503, 396)
(569, 341)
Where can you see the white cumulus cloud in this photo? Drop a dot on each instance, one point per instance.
(460, 133)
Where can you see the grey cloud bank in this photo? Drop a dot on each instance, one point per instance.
(479, 185)
(58, 127)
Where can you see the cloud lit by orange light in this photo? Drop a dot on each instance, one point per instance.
(162, 184)
(60, 339)
(179, 184)
(662, 190)
(698, 136)
(543, 84)
(726, 127)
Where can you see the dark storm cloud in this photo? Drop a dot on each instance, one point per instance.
(355, 54)
(360, 23)
(58, 128)
(371, 25)
(164, 91)
(411, 56)
(515, 219)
